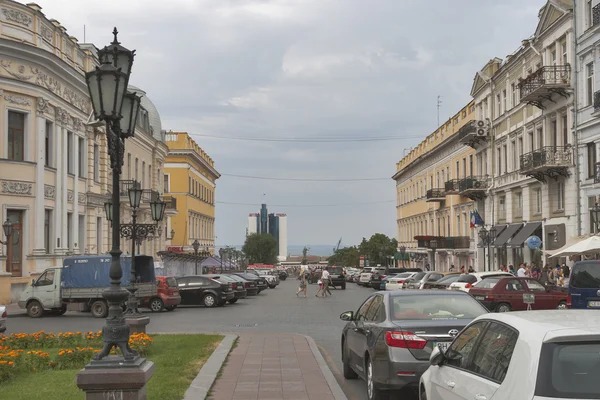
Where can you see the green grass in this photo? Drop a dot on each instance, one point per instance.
(177, 360)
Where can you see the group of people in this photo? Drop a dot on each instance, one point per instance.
(323, 283)
(462, 269)
(548, 276)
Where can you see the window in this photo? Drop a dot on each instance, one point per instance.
(47, 236)
(515, 94)
(518, 209)
(46, 279)
(499, 172)
(143, 174)
(540, 138)
(589, 13)
(505, 150)
(457, 170)
(563, 49)
(166, 183)
(531, 143)
(99, 235)
(16, 136)
(590, 83)
(464, 160)
(504, 101)
(519, 150)
(48, 156)
(502, 207)
(82, 157)
(591, 159)
(136, 168)
(537, 197)
(430, 308)
(190, 185)
(96, 163)
(515, 158)
(553, 57)
(560, 196)
(376, 312)
(361, 314)
(458, 225)
(514, 286)
(70, 229)
(554, 133)
(498, 109)
(565, 129)
(586, 276)
(494, 352)
(81, 233)
(459, 352)
(70, 160)
(535, 286)
(129, 166)
(471, 172)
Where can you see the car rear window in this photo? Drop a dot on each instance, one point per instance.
(569, 371)
(449, 279)
(586, 276)
(467, 279)
(437, 307)
(171, 282)
(335, 270)
(419, 276)
(487, 283)
(403, 275)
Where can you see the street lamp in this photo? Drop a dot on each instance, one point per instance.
(402, 251)
(487, 238)
(433, 245)
(196, 246)
(221, 254)
(172, 233)
(7, 227)
(107, 85)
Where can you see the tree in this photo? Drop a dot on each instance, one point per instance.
(305, 251)
(260, 249)
(345, 257)
(378, 248)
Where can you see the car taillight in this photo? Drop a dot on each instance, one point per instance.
(383, 276)
(401, 281)
(247, 285)
(234, 285)
(405, 340)
(489, 298)
(4, 314)
(569, 302)
(468, 286)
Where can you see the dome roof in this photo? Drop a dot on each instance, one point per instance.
(153, 115)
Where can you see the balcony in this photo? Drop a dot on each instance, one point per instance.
(442, 242)
(435, 195)
(547, 162)
(596, 15)
(452, 186)
(458, 242)
(540, 85)
(171, 202)
(474, 187)
(149, 195)
(127, 184)
(474, 133)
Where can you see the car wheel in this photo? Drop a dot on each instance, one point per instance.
(373, 393)
(99, 309)
(503, 307)
(156, 305)
(232, 301)
(349, 373)
(562, 305)
(35, 309)
(272, 286)
(209, 300)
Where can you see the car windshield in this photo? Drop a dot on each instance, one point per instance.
(403, 275)
(335, 270)
(487, 283)
(586, 276)
(437, 307)
(569, 371)
(221, 278)
(171, 282)
(468, 278)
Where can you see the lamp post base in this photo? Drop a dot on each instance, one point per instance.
(137, 323)
(110, 378)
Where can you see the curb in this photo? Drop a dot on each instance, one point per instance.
(334, 386)
(208, 373)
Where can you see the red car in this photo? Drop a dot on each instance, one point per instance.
(167, 298)
(502, 294)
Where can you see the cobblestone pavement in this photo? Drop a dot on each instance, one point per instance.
(274, 311)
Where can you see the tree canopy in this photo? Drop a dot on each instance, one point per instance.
(261, 248)
(377, 249)
(345, 257)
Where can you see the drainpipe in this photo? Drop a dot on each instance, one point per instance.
(575, 78)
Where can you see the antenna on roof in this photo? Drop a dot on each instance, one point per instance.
(84, 33)
(439, 103)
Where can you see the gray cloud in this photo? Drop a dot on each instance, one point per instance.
(305, 68)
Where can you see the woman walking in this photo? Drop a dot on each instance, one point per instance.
(302, 287)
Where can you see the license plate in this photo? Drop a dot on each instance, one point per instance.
(442, 345)
(594, 304)
(481, 298)
(455, 288)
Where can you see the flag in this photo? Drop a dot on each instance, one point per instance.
(476, 219)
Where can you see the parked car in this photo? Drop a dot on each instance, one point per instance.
(283, 275)
(521, 355)
(365, 276)
(167, 295)
(397, 281)
(389, 339)
(419, 280)
(239, 290)
(3, 318)
(466, 281)
(376, 276)
(272, 281)
(584, 285)
(507, 294)
(261, 282)
(204, 290)
(443, 283)
(337, 277)
(250, 286)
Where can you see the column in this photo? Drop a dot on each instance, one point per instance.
(75, 220)
(39, 245)
(60, 172)
(64, 187)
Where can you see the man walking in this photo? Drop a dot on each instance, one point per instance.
(325, 279)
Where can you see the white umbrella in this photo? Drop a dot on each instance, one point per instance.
(590, 245)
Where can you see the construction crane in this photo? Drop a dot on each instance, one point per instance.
(338, 246)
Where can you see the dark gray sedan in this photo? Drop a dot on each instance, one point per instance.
(388, 341)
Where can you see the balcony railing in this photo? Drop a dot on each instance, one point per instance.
(126, 185)
(149, 195)
(171, 202)
(596, 15)
(546, 157)
(541, 84)
(436, 195)
(452, 186)
(458, 242)
(473, 183)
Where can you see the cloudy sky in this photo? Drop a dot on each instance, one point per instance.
(305, 69)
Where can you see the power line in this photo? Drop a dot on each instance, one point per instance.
(309, 205)
(312, 140)
(268, 178)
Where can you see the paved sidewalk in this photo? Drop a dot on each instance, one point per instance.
(276, 366)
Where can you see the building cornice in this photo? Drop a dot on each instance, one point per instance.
(194, 156)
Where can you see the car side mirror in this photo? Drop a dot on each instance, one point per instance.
(33, 282)
(347, 316)
(437, 356)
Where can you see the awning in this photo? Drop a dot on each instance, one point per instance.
(570, 242)
(521, 237)
(499, 230)
(506, 234)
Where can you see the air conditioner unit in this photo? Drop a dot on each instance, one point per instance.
(482, 128)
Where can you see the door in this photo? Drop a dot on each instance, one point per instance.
(446, 377)
(47, 289)
(514, 292)
(543, 299)
(185, 291)
(355, 336)
(15, 246)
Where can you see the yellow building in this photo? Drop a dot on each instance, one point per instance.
(436, 185)
(190, 182)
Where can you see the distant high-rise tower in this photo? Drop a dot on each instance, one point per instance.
(275, 224)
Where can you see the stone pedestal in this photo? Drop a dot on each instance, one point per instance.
(112, 378)
(137, 323)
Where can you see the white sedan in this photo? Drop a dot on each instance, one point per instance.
(397, 281)
(467, 281)
(537, 355)
(3, 318)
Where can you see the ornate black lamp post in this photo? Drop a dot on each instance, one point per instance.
(433, 245)
(172, 233)
(221, 254)
(487, 238)
(196, 246)
(111, 102)
(7, 227)
(402, 251)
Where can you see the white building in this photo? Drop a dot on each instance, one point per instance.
(252, 223)
(283, 242)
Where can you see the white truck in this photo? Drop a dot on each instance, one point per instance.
(79, 283)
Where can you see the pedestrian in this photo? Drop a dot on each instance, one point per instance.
(471, 270)
(320, 283)
(302, 287)
(325, 279)
(452, 268)
(522, 271)
(566, 274)
(551, 277)
(511, 269)
(462, 269)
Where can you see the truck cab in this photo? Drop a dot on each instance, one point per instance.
(43, 294)
(584, 285)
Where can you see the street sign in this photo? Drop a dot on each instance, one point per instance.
(362, 261)
(177, 249)
(533, 242)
